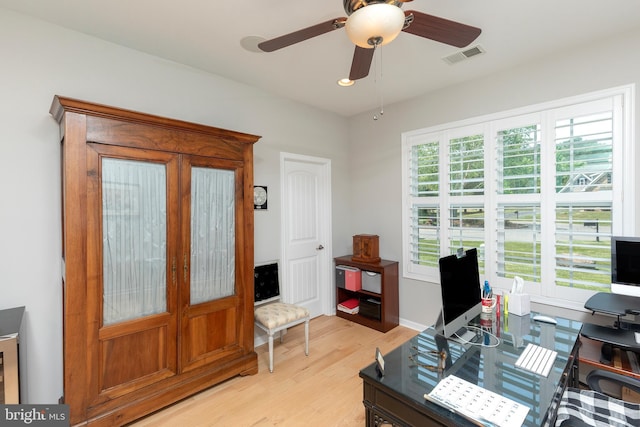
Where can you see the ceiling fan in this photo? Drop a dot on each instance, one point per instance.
(375, 23)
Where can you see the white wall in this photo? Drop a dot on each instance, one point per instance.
(375, 146)
(40, 60)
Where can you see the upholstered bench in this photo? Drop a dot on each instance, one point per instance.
(278, 317)
(272, 315)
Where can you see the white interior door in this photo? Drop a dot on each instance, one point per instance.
(306, 228)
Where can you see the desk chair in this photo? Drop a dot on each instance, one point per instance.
(271, 315)
(582, 408)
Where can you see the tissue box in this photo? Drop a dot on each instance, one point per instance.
(519, 304)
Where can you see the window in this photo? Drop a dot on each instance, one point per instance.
(538, 191)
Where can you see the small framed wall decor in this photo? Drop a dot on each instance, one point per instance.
(260, 197)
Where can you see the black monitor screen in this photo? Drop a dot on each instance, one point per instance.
(625, 260)
(460, 280)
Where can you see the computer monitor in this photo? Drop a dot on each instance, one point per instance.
(625, 265)
(460, 287)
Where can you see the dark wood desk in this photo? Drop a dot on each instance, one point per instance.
(398, 397)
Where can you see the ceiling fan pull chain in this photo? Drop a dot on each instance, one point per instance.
(377, 79)
(380, 87)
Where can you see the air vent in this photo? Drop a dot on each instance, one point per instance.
(463, 54)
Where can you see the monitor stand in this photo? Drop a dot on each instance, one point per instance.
(627, 326)
(463, 336)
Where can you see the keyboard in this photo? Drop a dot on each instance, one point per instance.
(481, 406)
(537, 359)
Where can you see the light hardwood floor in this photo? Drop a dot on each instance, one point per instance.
(322, 389)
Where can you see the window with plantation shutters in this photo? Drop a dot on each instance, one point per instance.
(539, 191)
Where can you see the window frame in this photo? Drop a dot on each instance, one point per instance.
(622, 196)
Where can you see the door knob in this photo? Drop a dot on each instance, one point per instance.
(319, 248)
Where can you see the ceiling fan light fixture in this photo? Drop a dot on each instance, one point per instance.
(375, 25)
(346, 82)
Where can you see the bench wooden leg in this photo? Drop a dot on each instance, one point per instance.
(270, 351)
(306, 337)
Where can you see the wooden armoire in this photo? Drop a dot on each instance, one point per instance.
(157, 259)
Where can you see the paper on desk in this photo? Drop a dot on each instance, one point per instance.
(481, 406)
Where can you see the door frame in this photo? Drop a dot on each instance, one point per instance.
(324, 211)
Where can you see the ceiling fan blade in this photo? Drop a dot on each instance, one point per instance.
(301, 35)
(361, 63)
(440, 29)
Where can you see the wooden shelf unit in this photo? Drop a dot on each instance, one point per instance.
(388, 296)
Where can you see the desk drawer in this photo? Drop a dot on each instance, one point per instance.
(382, 407)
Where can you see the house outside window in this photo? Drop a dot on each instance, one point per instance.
(539, 191)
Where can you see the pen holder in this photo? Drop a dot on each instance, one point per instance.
(519, 304)
(488, 304)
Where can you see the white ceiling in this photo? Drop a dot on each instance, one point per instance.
(206, 34)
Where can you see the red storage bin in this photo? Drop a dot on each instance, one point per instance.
(351, 276)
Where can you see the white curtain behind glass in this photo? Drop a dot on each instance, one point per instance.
(212, 234)
(134, 239)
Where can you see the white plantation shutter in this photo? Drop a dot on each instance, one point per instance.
(425, 169)
(583, 141)
(425, 235)
(519, 242)
(584, 151)
(424, 189)
(583, 246)
(466, 229)
(466, 166)
(518, 160)
(518, 187)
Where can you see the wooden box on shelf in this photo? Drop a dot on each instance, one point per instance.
(366, 248)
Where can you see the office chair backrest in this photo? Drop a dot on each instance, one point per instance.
(598, 376)
(589, 408)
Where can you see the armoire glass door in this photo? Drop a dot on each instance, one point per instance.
(213, 234)
(134, 230)
(210, 301)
